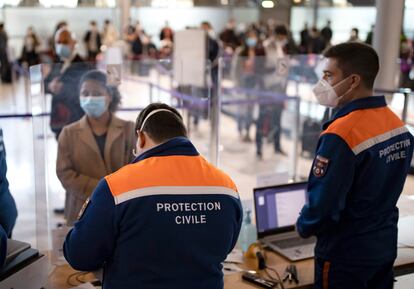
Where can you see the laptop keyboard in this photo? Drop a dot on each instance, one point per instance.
(293, 242)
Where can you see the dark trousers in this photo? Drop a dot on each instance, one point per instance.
(269, 121)
(333, 275)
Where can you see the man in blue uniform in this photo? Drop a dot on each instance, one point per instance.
(362, 159)
(167, 220)
(8, 211)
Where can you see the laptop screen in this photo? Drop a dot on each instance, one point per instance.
(278, 207)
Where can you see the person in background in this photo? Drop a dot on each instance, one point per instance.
(406, 61)
(3, 247)
(354, 35)
(148, 47)
(97, 145)
(52, 49)
(129, 28)
(8, 210)
(213, 50)
(5, 67)
(304, 39)
(229, 37)
(30, 49)
(137, 47)
(63, 81)
(326, 34)
(169, 208)
(370, 35)
(109, 35)
(92, 41)
(129, 33)
(361, 164)
(277, 47)
(316, 43)
(167, 33)
(248, 66)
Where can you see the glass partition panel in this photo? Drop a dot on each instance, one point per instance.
(270, 121)
(71, 150)
(16, 141)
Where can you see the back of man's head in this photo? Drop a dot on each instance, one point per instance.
(161, 126)
(356, 58)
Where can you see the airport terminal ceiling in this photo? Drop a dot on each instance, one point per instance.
(240, 3)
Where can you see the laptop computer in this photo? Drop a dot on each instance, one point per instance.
(14, 248)
(277, 209)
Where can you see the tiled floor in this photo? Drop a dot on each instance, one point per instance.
(26, 141)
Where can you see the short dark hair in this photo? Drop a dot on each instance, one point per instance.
(358, 58)
(281, 30)
(102, 79)
(163, 125)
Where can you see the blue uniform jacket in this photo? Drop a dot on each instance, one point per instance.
(3, 246)
(362, 160)
(8, 211)
(167, 220)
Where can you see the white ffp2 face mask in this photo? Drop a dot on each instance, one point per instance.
(326, 94)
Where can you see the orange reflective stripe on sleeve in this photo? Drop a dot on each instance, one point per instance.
(325, 280)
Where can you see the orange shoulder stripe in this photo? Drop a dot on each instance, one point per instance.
(168, 171)
(361, 125)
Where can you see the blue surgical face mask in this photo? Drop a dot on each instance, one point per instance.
(251, 42)
(63, 51)
(93, 106)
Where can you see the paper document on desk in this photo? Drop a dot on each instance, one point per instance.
(85, 286)
(235, 256)
(405, 235)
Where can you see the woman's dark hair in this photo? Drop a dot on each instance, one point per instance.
(102, 79)
(281, 30)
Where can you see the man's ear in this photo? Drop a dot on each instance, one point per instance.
(142, 139)
(356, 80)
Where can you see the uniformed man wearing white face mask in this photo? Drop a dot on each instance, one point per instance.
(362, 159)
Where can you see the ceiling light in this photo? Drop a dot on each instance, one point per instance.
(409, 4)
(59, 3)
(105, 3)
(9, 3)
(268, 4)
(172, 3)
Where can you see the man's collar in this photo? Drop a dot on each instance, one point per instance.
(358, 104)
(179, 146)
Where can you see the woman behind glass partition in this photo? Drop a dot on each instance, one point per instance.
(95, 146)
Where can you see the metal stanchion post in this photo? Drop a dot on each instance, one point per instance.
(295, 136)
(27, 91)
(40, 125)
(406, 93)
(215, 117)
(151, 98)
